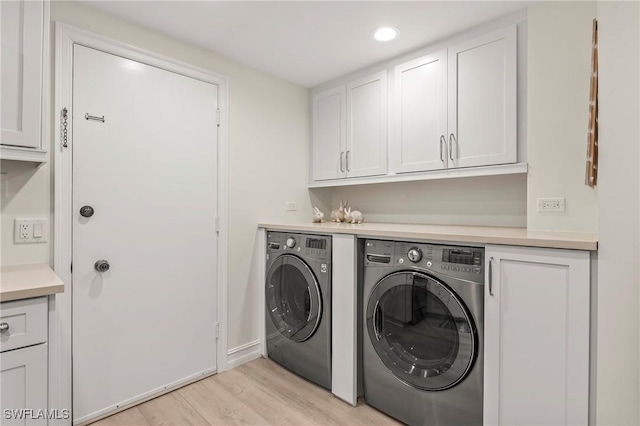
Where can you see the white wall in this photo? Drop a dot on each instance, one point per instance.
(267, 143)
(618, 304)
(559, 70)
(25, 191)
(482, 201)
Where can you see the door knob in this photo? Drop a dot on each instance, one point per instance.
(102, 266)
(86, 211)
(4, 327)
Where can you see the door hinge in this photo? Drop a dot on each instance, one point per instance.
(217, 225)
(218, 116)
(217, 330)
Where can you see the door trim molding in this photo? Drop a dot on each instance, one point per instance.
(60, 315)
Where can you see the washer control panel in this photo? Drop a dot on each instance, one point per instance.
(317, 247)
(457, 261)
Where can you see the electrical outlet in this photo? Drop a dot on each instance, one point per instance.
(29, 231)
(290, 206)
(551, 204)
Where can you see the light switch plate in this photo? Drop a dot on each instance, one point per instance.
(24, 231)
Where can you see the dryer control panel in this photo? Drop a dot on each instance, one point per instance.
(314, 246)
(456, 261)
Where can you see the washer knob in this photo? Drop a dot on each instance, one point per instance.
(414, 255)
(291, 242)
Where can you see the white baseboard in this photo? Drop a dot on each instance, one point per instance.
(242, 354)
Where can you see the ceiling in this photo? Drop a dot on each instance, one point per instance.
(306, 42)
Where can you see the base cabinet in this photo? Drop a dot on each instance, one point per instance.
(23, 362)
(536, 336)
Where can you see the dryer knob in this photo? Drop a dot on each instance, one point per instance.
(291, 242)
(414, 255)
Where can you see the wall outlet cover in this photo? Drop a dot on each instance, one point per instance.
(551, 204)
(30, 231)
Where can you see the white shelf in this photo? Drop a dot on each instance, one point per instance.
(504, 169)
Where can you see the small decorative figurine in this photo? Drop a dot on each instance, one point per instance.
(354, 216)
(338, 214)
(318, 216)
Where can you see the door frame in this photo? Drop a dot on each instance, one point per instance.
(60, 310)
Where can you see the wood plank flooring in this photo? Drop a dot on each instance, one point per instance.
(257, 393)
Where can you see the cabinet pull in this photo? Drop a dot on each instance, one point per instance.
(442, 142)
(491, 276)
(341, 166)
(452, 139)
(347, 160)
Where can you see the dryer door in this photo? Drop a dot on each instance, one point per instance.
(293, 298)
(421, 330)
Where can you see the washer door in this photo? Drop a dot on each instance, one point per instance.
(421, 330)
(293, 298)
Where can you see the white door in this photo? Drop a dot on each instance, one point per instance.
(329, 134)
(367, 126)
(149, 173)
(420, 115)
(483, 100)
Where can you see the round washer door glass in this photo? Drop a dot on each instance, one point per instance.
(420, 330)
(293, 298)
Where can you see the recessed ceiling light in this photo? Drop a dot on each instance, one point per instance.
(385, 33)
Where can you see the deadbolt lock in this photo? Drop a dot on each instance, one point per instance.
(102, 266)
(86, 211)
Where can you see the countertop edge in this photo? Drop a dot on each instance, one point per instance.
(540, 239)
(28, 281)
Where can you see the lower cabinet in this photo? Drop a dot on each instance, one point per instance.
(536, 336)
(23, 362)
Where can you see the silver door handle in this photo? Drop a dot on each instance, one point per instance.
(4, 327)
(341, 155)
(491, 276)
(452, 139)
(442, 142)
(347, 160)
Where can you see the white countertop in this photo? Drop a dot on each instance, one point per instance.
(25, 281)
(449, 233)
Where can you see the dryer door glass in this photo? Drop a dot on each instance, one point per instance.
(421, 330)
(293, 298)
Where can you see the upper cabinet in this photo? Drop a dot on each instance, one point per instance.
(350, 129)
(482, 87)
(419, 117)
(457, 107)
(452, 112)
(25, 65)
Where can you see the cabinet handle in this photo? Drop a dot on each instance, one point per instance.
(452, 139)
(348, 156)
(341, 159)
(4, 327)
(491, 276)
(442, 142)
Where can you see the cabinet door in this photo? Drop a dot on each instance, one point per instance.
(419, 116)
(482, 100)
(329, 134)
(366, 153)
(22, 46)
(24, 385)
(536, 336)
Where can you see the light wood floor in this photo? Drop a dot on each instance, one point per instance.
(257, 393)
